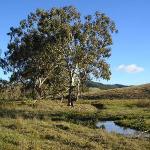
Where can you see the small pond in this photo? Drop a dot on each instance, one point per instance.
(111, 126)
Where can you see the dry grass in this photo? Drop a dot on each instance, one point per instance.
(133, 92)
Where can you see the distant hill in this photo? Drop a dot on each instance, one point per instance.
(104, 86)
(132, 92)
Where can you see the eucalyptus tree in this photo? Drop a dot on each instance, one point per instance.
(84, 44)
(32, 57)
(60, 40)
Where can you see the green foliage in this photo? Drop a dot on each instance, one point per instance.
(56, 48)
(10, 91)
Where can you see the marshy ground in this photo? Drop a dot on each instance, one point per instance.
(47, 124)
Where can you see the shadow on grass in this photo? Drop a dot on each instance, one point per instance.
(13, 113)
(99, 105)
(88, 119)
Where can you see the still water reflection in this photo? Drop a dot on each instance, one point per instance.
(110, 126)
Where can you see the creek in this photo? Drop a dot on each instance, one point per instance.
(111, 126)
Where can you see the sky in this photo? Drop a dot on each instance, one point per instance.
(130, 60)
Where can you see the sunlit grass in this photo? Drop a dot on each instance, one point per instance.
(52, 125)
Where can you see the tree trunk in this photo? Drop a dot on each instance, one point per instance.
(33, 93)
(70, 101)
(78, 91)
(38, 92)
(62, 97)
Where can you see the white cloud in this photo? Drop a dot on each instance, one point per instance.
(133, 68)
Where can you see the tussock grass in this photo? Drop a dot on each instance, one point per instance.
(143, 103)
(133, 92)
(46, 124)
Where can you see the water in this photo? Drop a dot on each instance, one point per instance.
(110, 126)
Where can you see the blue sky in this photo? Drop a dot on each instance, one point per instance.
(130, 60)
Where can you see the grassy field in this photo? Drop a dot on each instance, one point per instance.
(46, 124)
(132, 92)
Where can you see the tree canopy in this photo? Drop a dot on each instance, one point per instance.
(59, 49)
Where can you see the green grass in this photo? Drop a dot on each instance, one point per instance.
(47, 124)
